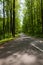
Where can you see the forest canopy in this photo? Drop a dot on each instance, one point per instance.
(15, 12)
(33, 17)
(9, 18)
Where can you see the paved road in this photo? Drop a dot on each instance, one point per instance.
(20, 52)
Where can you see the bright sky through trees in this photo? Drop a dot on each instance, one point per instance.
(21, 9)
(1, 8)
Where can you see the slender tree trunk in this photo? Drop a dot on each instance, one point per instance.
(32, 15)
(8, 15)
(13, 28)
(11, 19)
(42, 14)
(3, 20)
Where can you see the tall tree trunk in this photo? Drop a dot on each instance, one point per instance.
(11, 19)
(8, 16)
(13, 28)
(42, 14)
(32, 16)
(3, 20)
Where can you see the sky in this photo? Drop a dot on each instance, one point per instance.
(21, 9)
(22, 0)
(1, 8)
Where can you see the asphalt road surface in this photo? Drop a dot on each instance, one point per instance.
(21, 52)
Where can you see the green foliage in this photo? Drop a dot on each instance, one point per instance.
(8, 6)
(32, 22)
(17, 19)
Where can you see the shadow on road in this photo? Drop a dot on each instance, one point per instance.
(20, 49)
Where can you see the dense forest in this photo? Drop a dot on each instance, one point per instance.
(10, 21)
(33, 18)
(9, 18)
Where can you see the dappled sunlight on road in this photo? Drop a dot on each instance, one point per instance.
(19, 59)
(20, 52)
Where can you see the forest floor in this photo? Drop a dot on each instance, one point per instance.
(22, 51)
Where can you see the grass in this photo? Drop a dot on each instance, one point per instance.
(3, 41)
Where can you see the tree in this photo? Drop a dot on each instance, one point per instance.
(32, 18)
(11, 14)
(3, 19)
(13, 27)
(42, 14)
